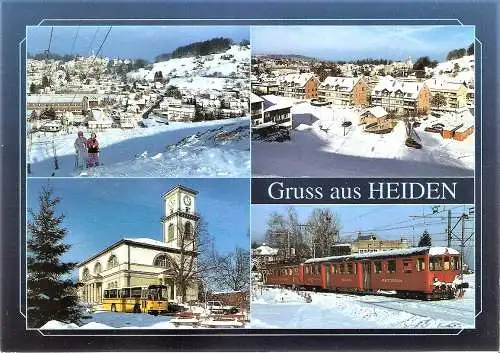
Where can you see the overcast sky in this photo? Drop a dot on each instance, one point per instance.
(358, 42)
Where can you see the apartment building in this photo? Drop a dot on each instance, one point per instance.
(344, 91)
(401, 96)
(455, 93)
(299, 86)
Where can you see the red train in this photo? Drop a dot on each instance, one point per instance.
(423, 272)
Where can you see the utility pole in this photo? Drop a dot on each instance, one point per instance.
(448, 230)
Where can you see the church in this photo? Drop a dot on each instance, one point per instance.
(140, 262)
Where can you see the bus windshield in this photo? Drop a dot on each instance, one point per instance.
(157, 292)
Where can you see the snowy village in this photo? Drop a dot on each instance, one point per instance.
(323, 109)
(349, 267)
(162, 115)
(111, 271)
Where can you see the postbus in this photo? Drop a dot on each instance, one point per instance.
(151, 299)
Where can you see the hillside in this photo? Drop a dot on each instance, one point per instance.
(210, 71)
(462, 72)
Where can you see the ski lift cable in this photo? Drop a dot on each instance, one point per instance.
(74, 40)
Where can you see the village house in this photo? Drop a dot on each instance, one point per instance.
(373, 115)
(140, 262)
(401, 97)
(266, 113)
(182, 112)
(99, 120)
(299, 86)
(265, 88)
(371, 243)
(344, 91)
(454, 93)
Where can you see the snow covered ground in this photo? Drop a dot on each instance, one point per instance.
(284, 308)
(319, 148)
(209, 148)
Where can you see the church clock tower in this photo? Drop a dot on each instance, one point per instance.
(179, 217)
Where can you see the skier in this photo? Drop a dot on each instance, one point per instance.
(81, 151)
(93, 150)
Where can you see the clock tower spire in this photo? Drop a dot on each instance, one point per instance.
(179, 216)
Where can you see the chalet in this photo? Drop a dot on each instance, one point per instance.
(269, 111)
(402, 97)
(373, 115)
(454, 93)
(299, 86)
(344, 91)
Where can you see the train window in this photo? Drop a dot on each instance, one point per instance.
(316, 270)
(435, 264)
(349, 268)
(378, 267)
(135, 292)
(335, 268)
(290, 272)
(296, 270)
(446, 266)
(407, 266)
(391, 266)
(113, 293)
(307, 270)
(343, 268)
(420, 264)
(454, 263)
(106, 293)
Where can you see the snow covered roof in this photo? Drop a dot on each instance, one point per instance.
(99, 115)
(265, 250)
(439, 84)
(390, 253)
(54, 98)
(296, 79)
(255, 98)
(377, 111)
(272, 103)
(343, 83)
(410, 89)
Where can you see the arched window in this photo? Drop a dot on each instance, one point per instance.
(162, 261)
(113, 261)
(97, 268)
(170, 231)
(188, 230)
(86, 274)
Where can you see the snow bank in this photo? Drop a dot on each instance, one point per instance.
(57, 325)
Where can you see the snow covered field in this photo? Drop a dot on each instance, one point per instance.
(209, 148)
(284, 308)
(318, 148)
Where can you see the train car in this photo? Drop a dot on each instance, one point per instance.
(423, 272)
(283, 275)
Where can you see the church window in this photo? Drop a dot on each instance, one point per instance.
(97, 268)
(86, 274)
(188, 230)
(113, 261)
(170, 231)
(162, 261)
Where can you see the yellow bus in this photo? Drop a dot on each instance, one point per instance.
(151, 299)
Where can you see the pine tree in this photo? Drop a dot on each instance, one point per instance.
(51, 294)
(425, 239)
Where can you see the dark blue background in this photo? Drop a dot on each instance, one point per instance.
(15, 16)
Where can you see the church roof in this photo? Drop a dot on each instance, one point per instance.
(181, 187)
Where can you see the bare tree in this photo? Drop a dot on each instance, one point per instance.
(196, 250)
(232, 271)
(323, 229)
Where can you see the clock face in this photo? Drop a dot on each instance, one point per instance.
(187, 200)
(171, 203)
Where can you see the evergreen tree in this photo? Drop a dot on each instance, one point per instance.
(51, 293)
(470, 49)
(438, 100)
(33, 88)
(425, 239)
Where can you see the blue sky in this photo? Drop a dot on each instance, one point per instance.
(144, 42)
(100, 212)
(358, 42)
(376, 218)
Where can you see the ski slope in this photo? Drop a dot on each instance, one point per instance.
(209, 148)
(321, 147)
(284, 308)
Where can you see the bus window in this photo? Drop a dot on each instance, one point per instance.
(378, 267)
(135, 292)
(435, 263)
(125, 293)
(446, 266)
(113, 293)
(420, 264)
(391, 266)
(106, 293)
